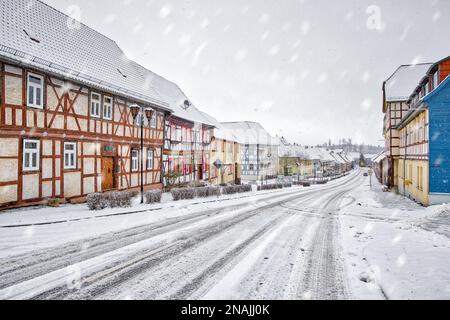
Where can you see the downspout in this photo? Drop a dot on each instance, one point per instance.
(404, 162)
(257, 162)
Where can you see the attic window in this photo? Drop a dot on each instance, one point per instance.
(121, 73)
(31, 35)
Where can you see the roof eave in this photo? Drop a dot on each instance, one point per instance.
(29, 62)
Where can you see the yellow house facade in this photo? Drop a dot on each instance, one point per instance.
(227, 154)
(413, 165)
(224, 155)
(293, 166)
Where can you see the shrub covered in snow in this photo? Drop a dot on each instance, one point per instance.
(183, 193)
(201, 192)
(214, 191)
(236, 189)
(153, 196)
(230, 190)
(245, 188)
(272, 186)
(100, 201)
(96, 201)
(119, 199)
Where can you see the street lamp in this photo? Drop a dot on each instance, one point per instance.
(135, 111)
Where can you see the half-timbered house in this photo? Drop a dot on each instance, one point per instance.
(224, 155)
(424, 166)
(396, 91)
(187, 133)
(259, 150)
(66, 127)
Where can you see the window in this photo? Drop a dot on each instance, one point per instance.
(420, 178)
(134, 160)
(95, 105)
(153, 121)
(35, 91)
(150, 154)
(70, 155)
(435, 80)
(139, 119)
(427, 88)
(31, 155)
(107, 108)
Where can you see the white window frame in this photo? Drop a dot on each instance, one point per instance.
(139, 119)
(31, 152)
(109, 105)
(69, 153)
(97, 107)
(154, 121)
(35, 87)
(134, 160)
(150, 159)
(435, 80)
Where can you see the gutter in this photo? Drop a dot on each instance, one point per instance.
(27, 60)
(411, 115)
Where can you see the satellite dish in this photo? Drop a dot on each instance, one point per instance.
(187, 105)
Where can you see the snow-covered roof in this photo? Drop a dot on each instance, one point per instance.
(37, 35)
(404, 80)
(172, 94)
(380, 157)
(303, 152)
(250, 133)
(354, 155)
(220, 132)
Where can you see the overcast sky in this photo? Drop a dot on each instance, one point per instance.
(307, 70)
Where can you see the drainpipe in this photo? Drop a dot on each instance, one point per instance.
(404, 162)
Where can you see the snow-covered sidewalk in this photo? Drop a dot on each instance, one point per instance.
(394, 248)
(43, 215)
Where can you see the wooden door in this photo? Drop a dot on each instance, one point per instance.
(107, 174)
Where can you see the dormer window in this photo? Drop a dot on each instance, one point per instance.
(426, 88)
(435, 80)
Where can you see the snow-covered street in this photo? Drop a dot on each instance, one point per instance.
(333, 241)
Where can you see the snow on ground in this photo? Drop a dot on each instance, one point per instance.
(28, 229)
(394, 248)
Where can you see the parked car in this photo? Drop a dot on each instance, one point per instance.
(366, 174)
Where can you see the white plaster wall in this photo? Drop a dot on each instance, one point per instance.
(89, 166)
(89, 185)
(8, 170)
(52, 100)
(18, 117)
(30, 186)
(47, 168)
(58, 123)
(30, 119)
(8, 194)
(81, 105)
(13, 69)
(9, 147)
(13, 90)
(47, 147)
(89, 149)
(72, 187)
(46, 189)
